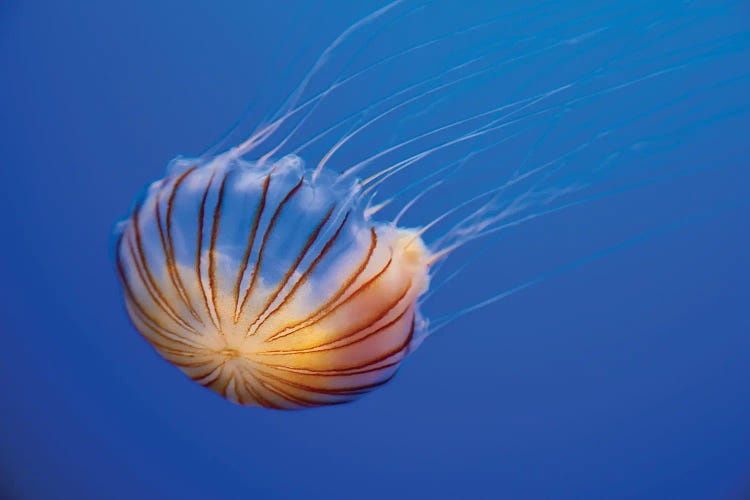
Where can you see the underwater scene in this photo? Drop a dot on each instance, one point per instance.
(401, 249)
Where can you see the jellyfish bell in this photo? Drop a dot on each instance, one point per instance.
(271, 285)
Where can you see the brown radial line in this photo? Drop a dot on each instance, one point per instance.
(171, 351)
(311, 400)
(326, 248)
(210, 366)
(169, 254)
(288, 397)
(203, 370)
(199, 247)
(194, 355)
(359, 329)
(183, 364)
(214, 375)
(266, 235)
(218, 369)
(170, 241)
(253, 393)
(162, 302)
(151, 293)
(367, 284)
(333, 391)
(160, 344)
(336, 296)
(212, 250)
(198, 378)
(191, 355)
(250, 243)
(198, 358)
(155, 329)
(328, 373)
(243, 397)
(261, 400)
(131, 295)
(300, 255)
(343, 371)
(225, 383)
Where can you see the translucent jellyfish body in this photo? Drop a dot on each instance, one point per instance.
(269, 285)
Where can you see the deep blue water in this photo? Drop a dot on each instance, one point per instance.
(622, 377)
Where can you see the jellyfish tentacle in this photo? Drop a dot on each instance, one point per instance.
(453, 166)
(265, 131)
(268, 130)
(391, 97)
(497, 123)
(435, 270)
(446, 319)
(319, 97)
(486, 207)
(296, 95)
(413, 201)
(582, 201)
(490, 192)
(429, 92)
(468, 236)
(294, 98)
(492, 126)
(361, 164)
(458, 230)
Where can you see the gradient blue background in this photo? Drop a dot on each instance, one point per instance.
(626, 377)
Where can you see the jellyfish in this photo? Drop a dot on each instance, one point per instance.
(271, 286)
(271, 278)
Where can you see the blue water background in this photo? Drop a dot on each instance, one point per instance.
(625, 377)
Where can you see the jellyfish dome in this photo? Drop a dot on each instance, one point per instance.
(269, 284)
